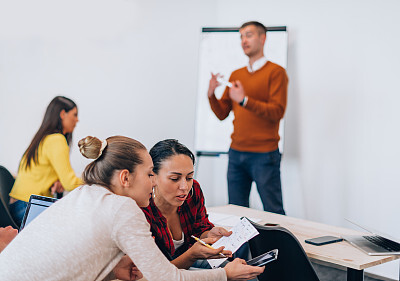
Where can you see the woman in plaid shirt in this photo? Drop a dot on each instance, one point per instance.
(177, 209)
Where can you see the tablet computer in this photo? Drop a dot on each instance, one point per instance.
(264, 258)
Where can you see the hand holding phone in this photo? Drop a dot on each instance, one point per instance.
(264, 258)
(323, 240)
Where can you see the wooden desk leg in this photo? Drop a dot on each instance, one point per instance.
(355, 275)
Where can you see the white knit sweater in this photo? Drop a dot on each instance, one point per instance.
(83, 236)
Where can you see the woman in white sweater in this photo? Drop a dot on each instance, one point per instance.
(85, 235)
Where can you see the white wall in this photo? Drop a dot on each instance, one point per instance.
(131, 66)
(341, 120)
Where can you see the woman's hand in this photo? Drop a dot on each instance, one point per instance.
(239, 270)
(199, 251)
(56, 187)
(7, 234)
(126, 270)
(217, 232)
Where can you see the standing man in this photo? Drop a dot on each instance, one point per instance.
(258, 100)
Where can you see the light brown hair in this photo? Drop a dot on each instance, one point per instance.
(120, 153)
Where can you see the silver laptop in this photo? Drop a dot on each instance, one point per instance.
(36, 205)
(374, 244)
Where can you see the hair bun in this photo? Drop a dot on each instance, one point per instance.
(90, 147)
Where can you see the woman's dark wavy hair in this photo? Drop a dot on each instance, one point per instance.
(51, 124)
(164, 149)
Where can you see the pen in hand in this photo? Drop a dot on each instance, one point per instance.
(205, 244)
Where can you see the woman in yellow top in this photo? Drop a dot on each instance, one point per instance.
(45, 167)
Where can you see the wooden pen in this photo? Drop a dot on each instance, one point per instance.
(205, 244)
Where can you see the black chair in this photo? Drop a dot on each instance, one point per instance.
(292, 263)
(6, 183)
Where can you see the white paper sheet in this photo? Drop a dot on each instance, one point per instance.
(241, 233)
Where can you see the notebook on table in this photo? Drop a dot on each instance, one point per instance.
(36, 205)
(374, 244)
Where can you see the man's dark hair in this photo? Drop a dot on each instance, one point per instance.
(261, 28)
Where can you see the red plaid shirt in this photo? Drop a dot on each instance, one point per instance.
(193, 217)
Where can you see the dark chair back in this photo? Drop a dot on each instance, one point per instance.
(6, 183)
(292, 263)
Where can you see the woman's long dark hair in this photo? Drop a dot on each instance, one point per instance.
(51, 124)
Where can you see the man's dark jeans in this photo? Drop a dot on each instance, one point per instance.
(264, 170)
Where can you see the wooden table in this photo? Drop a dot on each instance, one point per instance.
(341, 253)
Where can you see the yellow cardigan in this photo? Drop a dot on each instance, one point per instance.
(53, 164)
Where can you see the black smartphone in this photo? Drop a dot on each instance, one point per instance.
(323, 240)
(264, 258)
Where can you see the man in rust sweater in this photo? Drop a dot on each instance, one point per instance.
(258, 100)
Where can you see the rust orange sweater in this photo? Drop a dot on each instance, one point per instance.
(255, 126)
